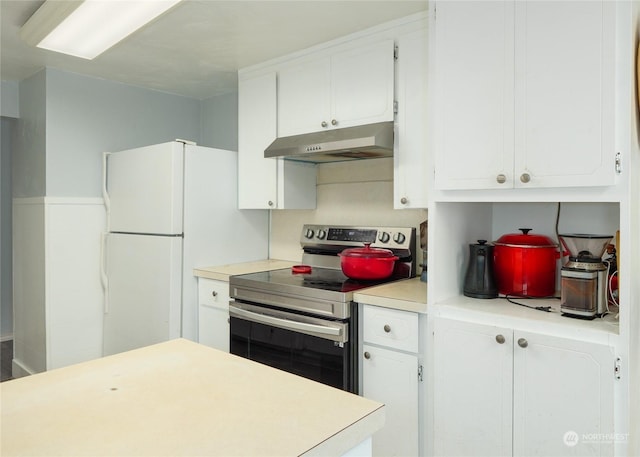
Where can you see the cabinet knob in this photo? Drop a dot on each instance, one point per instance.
(387, 328)
(500, 339)
(270, 203)
(367, 355)
(523, 343)
(334, 122)
(214, 293)
(525, 177)
(323, 124)
(404, 200)
(501, 178)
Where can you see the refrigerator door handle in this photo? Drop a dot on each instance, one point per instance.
(104, 279)
(105, 192)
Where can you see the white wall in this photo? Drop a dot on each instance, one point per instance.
(359, 192)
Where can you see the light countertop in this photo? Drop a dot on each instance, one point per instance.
(406, 295)
(180, 398)
(223, 272)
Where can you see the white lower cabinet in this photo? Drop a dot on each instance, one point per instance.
(501, 392)
(213, 310)
(390, 370)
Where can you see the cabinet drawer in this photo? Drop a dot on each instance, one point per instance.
(390, 327)
(213, 293)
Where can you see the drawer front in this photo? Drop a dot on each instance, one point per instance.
(213, 293)
(389, 327)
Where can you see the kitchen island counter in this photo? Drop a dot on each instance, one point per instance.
(180, 398)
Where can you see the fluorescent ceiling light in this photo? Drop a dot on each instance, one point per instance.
(88, 28)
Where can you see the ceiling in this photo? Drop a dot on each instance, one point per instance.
(196, 48)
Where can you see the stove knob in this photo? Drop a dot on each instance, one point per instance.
(384, 237)
(399, 238)
(321, 234)
(309, 234)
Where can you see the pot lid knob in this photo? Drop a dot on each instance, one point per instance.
(525, 231)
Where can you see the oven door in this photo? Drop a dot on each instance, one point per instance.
(317, 349)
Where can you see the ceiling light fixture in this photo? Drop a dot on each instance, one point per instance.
(88, 28)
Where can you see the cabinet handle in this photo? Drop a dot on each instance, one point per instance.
(523, 343)
(500, 339)
(387, 329)
(214, 293)
(525, 177)
(334, 122)
(270, 203)
(501, 178)
(367, 355)
(404, 200)
(323, 124)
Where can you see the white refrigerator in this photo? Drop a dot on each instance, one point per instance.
(170, 207)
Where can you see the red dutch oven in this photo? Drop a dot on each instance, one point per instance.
(367, 263)
(525, 264)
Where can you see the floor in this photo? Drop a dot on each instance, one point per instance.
(6, 354)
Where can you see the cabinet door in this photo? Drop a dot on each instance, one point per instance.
(362, 85)
(213, 313)
(304, 96)
(257, 176)
(472, 398)
(562, 389)
(410, 165)
(474, 95)
(391, 377)
(565, 93)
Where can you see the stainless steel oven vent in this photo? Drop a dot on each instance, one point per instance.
(370, 141)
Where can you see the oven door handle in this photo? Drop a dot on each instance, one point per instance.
(286, 324)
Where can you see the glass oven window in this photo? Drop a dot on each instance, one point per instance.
(309, 356)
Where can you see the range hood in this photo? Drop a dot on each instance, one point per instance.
(370, 141)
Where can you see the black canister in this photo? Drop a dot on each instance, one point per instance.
(479, 281)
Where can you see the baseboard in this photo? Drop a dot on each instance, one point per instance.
(4, 338)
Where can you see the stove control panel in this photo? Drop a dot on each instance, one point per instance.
(388, 237)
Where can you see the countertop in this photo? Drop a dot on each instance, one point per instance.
(180, 398)
(406, 295)
(223, 272)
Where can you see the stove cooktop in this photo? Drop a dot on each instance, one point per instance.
(320, 278)
(324, 291)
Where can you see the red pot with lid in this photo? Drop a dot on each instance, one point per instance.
(525, 264)
(367, 263)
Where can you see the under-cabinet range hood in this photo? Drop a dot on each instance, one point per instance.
(370, 141)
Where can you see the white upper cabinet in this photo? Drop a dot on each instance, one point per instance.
(410, 161)
(267, 183)
(522, 100)
(342, 89)
(257, 130)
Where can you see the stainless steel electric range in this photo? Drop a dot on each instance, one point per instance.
(303, 319)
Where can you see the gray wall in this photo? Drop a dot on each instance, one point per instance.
(88, 116)
(6, 289)
(220, 122)
(29, 164)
